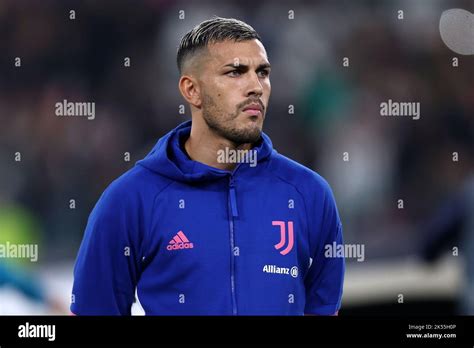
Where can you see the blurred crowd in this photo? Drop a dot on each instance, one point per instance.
(336, 107)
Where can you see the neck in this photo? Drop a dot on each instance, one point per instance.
(203, 146)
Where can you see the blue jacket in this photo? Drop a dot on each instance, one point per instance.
(184, 238)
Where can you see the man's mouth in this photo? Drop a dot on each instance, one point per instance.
(254, 109)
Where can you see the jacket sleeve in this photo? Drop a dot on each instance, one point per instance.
(325, 278)
(106, 269)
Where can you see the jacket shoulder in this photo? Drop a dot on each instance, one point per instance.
(137, 182)
(301, 177)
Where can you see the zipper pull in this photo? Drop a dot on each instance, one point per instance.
(233, 198)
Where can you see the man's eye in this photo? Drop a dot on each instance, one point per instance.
(264, 73)
(233, 73)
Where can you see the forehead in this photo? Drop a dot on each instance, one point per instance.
(248, 52)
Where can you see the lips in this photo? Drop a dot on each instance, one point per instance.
(256, 107)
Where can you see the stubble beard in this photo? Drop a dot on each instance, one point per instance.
(224, 124)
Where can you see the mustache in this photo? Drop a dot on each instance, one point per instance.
(251, 101)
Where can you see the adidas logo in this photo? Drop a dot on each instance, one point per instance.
(180, 241)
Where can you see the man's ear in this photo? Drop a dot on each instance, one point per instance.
(190, 90)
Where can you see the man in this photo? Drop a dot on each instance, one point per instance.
(214, 221)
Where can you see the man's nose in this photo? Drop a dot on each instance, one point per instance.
(254, 85)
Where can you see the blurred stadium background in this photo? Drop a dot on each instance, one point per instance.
(408, 251)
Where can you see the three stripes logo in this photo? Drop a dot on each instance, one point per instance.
(283, 233)
(179, 241)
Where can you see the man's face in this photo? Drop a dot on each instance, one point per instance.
(235, 88)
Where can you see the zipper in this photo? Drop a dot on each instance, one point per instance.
(233, 199)
(234, 213)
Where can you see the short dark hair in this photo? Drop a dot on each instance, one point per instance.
(216, 29)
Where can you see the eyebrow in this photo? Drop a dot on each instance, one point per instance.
(245, 67)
